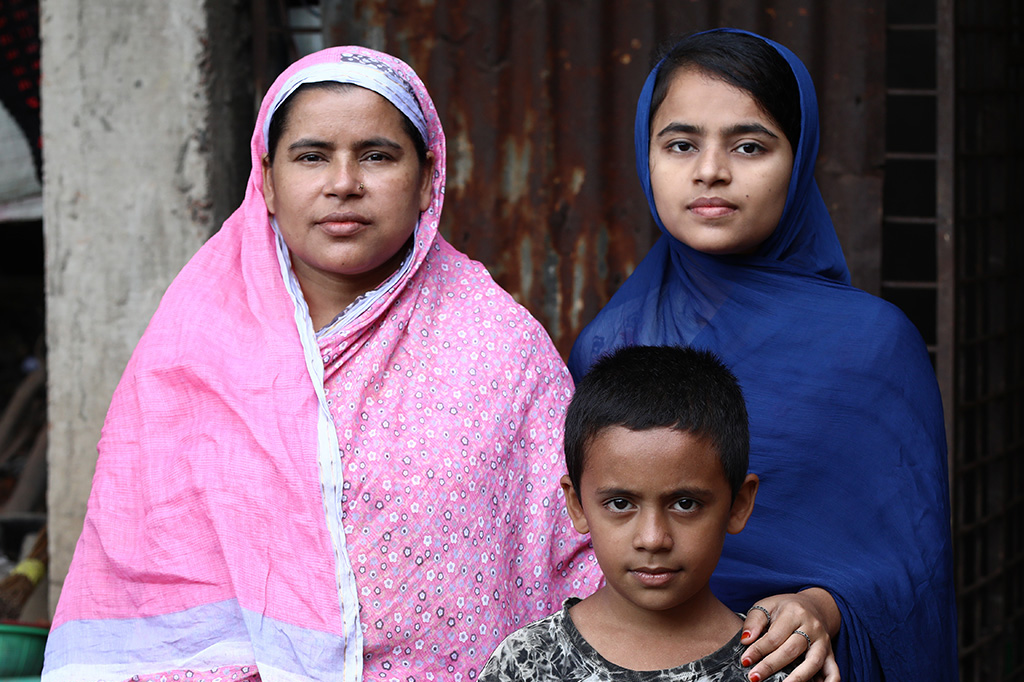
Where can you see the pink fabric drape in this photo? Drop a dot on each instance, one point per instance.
(227, 527)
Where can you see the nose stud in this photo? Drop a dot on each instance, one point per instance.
(360, 187)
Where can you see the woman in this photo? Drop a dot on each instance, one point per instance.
(849, 545)
(335, 453)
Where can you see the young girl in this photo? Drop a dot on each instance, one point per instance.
(848, 550)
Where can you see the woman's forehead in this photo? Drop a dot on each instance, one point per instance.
(351, 108)
(361, 68)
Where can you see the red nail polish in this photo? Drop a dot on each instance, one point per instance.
(745, 662)
(754, 677)
(746, 633)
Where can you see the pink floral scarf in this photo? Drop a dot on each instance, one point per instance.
(376, 501)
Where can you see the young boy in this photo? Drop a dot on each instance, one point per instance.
(656, 445)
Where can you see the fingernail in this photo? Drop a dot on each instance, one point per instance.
(745, 662)
(746, 633)
(755, 677)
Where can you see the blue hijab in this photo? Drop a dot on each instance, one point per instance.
(846, 422)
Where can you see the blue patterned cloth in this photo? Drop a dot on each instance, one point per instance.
(846, 422)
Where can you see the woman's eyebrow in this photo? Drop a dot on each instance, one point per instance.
(731, 131)
(309, 142)
(378, 142)
(677, 127)
(748, 129)
(314, 143)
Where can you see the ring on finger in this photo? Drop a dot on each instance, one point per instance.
(804, 635)
(764, 611)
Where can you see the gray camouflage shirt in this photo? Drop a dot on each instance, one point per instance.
(553, 650)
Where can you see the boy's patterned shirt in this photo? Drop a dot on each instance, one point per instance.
(553, 649)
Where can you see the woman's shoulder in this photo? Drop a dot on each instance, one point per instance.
(869, 317)
(467, 284)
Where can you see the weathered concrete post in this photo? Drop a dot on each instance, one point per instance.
(136, 148)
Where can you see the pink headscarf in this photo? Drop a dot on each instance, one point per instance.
(379, 500)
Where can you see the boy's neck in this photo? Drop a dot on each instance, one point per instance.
(640, 639)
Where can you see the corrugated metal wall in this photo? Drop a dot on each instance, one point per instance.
(538, 96)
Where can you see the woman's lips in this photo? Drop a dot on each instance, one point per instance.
(343, 224)
(712, 207)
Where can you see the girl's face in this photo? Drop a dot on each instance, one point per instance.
(720, 166)
(345, 186)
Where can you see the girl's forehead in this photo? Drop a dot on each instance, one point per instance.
(697, 91)
(695, 96)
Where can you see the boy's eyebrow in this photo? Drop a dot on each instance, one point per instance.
(699, 493)
(692, 492)
(609, 490)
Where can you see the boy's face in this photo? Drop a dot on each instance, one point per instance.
(657, 506)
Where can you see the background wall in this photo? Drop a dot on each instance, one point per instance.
(133, 106)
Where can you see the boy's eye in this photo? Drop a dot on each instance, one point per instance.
(618, 504)
(687, 505)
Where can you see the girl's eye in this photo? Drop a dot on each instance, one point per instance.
(750, 148)
(618, 504)
(309, 157)
(376, 156)
(681, 146)
(687, 505)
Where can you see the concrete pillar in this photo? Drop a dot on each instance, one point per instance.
(138, 138)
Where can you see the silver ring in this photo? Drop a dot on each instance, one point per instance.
(804, 635)
(764, 611)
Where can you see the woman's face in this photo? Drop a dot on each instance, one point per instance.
(720, 166)
(346, 187)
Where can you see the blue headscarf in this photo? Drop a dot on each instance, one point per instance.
(846, 424)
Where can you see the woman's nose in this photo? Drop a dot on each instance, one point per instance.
(652, 532)
(344, 178)
(712, 167)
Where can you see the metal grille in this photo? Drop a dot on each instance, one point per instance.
(952, 258)
(909, 262)
(989, 447)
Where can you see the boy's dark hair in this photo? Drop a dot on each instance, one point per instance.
(741, 60)
(279, 121)
(648, 387)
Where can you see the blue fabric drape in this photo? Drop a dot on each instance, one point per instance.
(846, 422)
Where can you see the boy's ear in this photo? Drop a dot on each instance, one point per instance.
(573, 506)
(743, 504)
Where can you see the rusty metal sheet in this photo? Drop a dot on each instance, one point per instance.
(538, 97)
